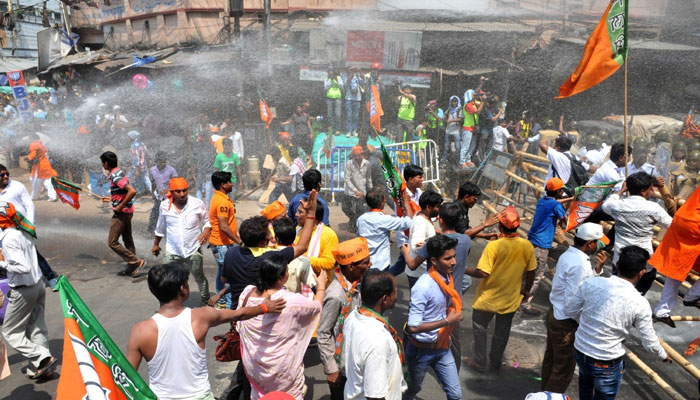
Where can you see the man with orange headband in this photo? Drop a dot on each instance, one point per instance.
(357, 183)
(342, 297)
(501, 268)
(183, 217)
(24, 328)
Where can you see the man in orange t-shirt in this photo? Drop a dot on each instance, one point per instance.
(41, 169)
(224, 232)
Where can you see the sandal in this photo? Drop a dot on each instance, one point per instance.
(137, 271)
(126, 271)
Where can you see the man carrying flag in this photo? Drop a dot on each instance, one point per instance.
(24, 328)
(605, 52)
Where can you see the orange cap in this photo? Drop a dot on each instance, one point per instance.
(351, 251)
(284, 135)
(509, 217)
(357, 150)
(273, 210)
(84, 130)
(554, 184)
(7, 215)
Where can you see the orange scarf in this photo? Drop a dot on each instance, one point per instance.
(443, 341)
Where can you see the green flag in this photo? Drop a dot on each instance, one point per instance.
(393, 178)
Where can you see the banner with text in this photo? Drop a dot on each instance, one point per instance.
(394, 50)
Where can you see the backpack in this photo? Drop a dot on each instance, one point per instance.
(579, 175)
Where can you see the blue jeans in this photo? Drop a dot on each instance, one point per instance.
(598, 381)
(219, 253)
(205, 184)
(352, 114)
(399, 266)
(333, 108)
(441, 361)
(450, 137)
(465, 154)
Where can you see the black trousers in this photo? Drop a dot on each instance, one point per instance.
(239, 388)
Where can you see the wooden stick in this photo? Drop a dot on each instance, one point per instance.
(489, 207)
(534, 157)
(671, 392)
(508, 199)
(536, 188)
(685, 318)
(688, 366)
(256, 189)
(534, 167)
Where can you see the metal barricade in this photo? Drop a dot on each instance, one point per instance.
(419, 152)
(426, 156)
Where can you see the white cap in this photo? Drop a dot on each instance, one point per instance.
(133, 134)
(102, 105)
(115, 108)
(591, 231)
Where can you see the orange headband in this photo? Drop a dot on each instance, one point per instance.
(177, 183)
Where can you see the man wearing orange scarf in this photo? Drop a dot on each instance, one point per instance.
(501, 268)
(182, 218)
(342, 296)
(434, 311)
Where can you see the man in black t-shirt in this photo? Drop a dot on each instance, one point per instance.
(255, 235)
(466, 198)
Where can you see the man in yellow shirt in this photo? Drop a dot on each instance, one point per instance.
(501, 268)
(323, 241)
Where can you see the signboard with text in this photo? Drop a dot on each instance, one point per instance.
(392, 49)
(19, 90)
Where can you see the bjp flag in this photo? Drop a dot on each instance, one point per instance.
(265, 114)
(374, 106)
(605, 51)
(93, 366)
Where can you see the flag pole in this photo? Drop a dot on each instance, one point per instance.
(627, 156)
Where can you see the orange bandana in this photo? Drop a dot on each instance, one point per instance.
(273, 210)
(351, 251)
(7, 215)
(177, 183)
(443, 341)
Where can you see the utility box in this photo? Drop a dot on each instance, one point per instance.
(236, 8)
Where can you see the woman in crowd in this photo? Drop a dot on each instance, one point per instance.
(273, 345)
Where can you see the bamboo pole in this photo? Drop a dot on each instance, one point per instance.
(671, 392)
(508, 199)
(687, 365)
(627, 156)
(533, 157)
(685, 318)
(533, 167)
(536, 188)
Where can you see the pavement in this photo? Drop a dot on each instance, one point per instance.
(74, 242)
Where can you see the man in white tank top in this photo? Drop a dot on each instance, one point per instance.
(172, 341)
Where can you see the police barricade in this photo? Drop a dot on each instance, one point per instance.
(332, 168)
(426, 156)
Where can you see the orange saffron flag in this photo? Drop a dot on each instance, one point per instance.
(374, 106)
(605, 51)
(265, 114)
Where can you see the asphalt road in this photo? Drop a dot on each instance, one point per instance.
(75, 244)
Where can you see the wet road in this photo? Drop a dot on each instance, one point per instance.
(75, 244)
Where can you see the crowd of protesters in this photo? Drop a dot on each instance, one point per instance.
(284, 278)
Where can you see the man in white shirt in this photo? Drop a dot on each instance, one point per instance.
(24, 328)
(376, 227)
(558, 155)
(501, 136)
(14, 192)
(422, 229)
(606, 309)
(640, 154)
(572, 268)
(612, 170)
(183, 218)
(413, 176)
(635, 217)
(372, 346)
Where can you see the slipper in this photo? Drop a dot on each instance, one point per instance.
(471, 363)
(137, 271)
(44, 367)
